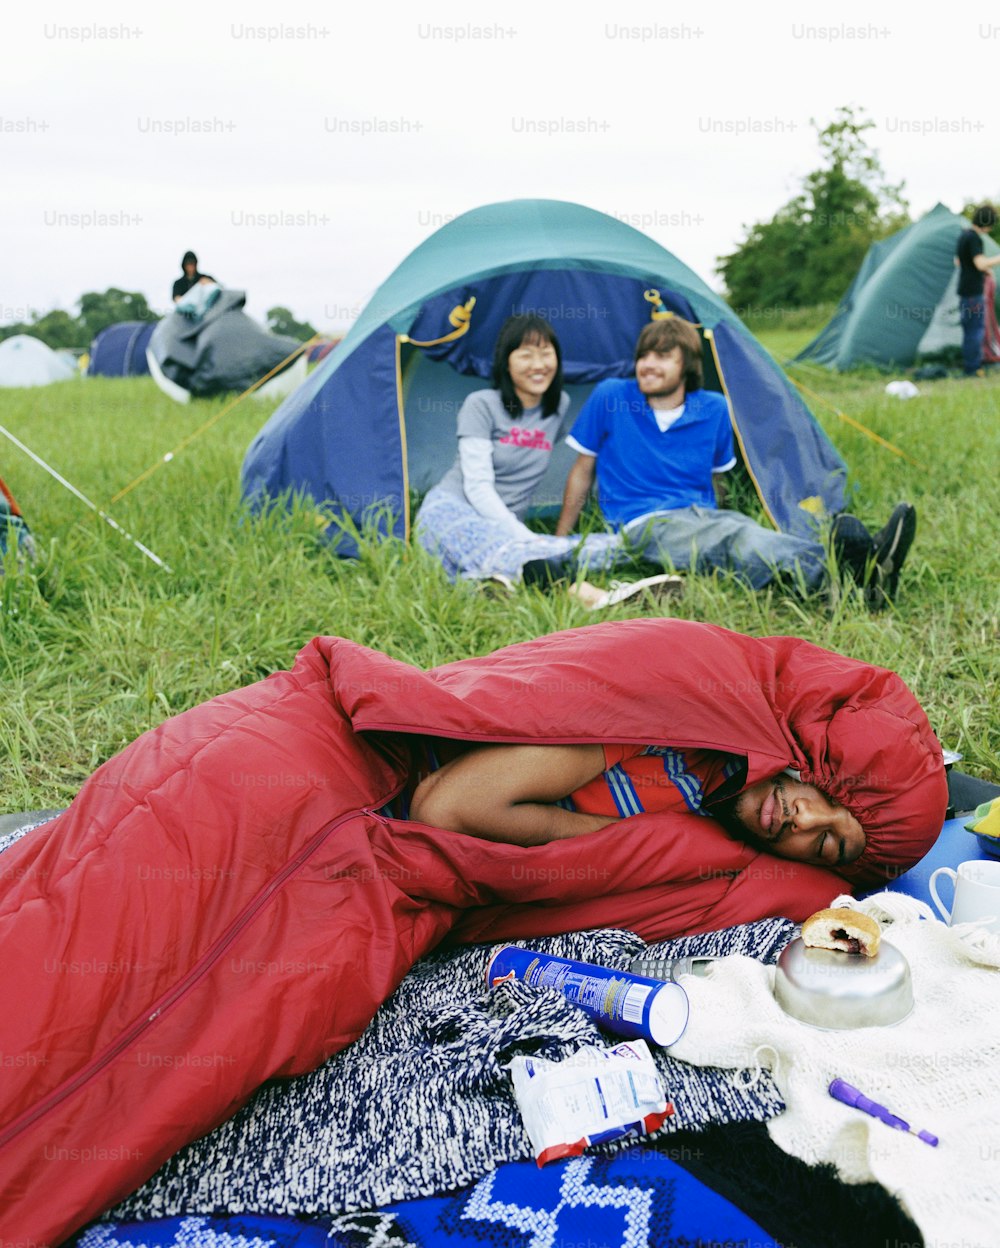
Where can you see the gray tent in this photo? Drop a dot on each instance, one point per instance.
(903, 302)
(220, 351)
(27, 361)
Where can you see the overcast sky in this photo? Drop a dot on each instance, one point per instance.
(302, 150)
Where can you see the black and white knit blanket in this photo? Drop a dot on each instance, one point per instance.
(422, 1103)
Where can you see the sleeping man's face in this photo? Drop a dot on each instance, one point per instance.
(796, 820)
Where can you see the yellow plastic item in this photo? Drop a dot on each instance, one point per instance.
(988, 818)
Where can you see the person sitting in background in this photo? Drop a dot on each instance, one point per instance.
(189, 276)
(972, 269)
(660, 446)
(473, 519)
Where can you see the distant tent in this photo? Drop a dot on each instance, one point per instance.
(27, 361)
(320, 350)
(120, 350)
(223, 350)
(903, 302)
(377, 417)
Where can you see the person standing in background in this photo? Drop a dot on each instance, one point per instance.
(972, 269)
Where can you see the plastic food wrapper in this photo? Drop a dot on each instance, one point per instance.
(593, 1096)
(902, 390)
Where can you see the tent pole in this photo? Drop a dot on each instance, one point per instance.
(400, 408)
(710, 336)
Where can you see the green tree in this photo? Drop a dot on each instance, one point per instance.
(59, 329)
(56, 328)
(98, 311)
(14, 328)
(281, 321)
(810, 249)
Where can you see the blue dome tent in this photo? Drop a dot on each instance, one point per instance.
(120, 350)
(377, 418)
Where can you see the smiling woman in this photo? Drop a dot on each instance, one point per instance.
(473, 519)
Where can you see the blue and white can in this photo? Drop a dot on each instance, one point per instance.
(626, 1004)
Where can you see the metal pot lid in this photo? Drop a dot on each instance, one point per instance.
(841, 990)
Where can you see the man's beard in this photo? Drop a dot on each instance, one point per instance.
(725, 812)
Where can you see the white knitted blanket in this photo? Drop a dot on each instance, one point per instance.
(939, 1069)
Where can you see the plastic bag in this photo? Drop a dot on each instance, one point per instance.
(594, 1096)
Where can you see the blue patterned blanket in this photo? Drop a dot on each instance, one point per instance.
(637, 1199)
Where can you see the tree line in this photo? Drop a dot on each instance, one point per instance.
(810, 250)
(97, 311)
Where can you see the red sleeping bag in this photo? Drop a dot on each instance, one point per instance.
(221, 904)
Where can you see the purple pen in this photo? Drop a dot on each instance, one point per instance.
(840, 1090)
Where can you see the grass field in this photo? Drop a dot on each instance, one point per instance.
(97, 643)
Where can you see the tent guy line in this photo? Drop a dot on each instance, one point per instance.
(84, 499)
(869, 433)
(168, 457)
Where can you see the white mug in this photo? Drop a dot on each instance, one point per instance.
(977, 894)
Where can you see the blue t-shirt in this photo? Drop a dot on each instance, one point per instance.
(641, 469)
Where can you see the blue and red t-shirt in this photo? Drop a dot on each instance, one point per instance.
(643, 779)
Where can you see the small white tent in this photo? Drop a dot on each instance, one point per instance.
(27, 361)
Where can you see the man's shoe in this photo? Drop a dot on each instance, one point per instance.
(854, 546)
(892, 545)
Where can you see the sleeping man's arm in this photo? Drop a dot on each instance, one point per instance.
(504, 793)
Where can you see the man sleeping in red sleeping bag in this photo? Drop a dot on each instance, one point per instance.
(241, 881)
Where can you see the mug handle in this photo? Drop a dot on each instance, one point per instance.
(945, 914)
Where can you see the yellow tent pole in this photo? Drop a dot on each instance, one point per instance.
(736, 429)
(400, 409)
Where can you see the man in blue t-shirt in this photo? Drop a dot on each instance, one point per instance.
(660, 446)
(972, 269)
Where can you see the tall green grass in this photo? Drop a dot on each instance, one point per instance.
(98, 644)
